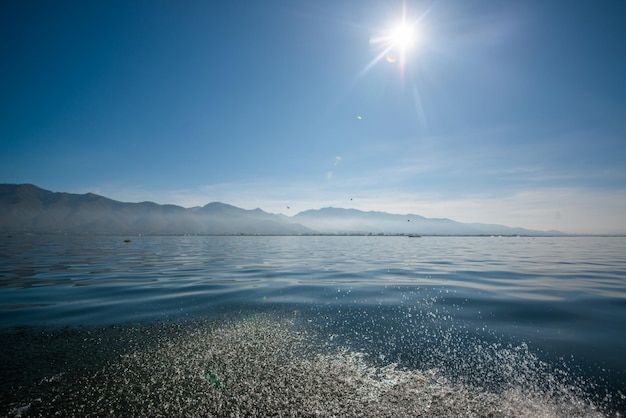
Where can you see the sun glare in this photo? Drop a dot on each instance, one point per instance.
(400, 38)
(403, 36)
(398, 42)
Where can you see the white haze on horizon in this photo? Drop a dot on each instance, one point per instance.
(567, 210)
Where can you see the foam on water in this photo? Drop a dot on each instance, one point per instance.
(275, 364)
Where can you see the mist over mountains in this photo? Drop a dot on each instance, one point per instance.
(25, 208)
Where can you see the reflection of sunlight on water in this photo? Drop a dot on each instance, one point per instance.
(268, 364)
(389, 313)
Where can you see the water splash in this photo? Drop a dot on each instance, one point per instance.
(283, 364)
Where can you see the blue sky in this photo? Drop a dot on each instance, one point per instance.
(499, 112)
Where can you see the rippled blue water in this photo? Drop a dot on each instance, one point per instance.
(564, 297)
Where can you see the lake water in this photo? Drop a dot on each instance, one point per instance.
(312, 326)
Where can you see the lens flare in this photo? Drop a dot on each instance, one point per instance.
(390, 58)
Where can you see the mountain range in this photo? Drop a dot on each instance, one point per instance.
(25, 208)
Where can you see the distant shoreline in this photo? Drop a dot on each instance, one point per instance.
(79, 234)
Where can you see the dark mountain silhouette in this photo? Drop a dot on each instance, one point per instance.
(28, 208)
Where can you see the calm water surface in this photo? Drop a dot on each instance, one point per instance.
(421, 303)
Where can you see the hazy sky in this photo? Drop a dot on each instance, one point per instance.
(510, 112)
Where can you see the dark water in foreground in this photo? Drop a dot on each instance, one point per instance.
(312, 326)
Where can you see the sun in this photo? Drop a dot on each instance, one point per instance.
(398, 42)
(403, 36)
(400, 37)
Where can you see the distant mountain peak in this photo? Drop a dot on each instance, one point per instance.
(219, 205)
(28, 208)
